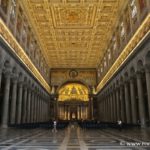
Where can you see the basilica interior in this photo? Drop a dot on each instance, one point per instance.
(82, 63)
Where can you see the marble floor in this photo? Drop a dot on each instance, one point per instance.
(74, 138)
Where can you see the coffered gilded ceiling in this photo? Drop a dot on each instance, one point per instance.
(73, 33)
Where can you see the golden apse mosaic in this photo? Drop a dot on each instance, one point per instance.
(73, 91)
(73, 33)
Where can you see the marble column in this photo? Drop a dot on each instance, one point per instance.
(13, 102)
(32, 106)
(91, 107)
(114, 105)
(24, 111)
(112, 109)
(87, 112)
(122, 103)
(81, 112)
(56, 105)
(77, 112)
(118, 104)
(134, 105)
(5, 107)
(38, 109)
(106, 109)
(19, 110)
(46, 113)
(147, 73)
(59, 111)
(34, 113)
(29, 106)
(42, 110)
(68, 113)
(39, 101)
(0, 77)
(109, 105)
(103, 111)
(127, 103)
(36, 117)
(141, 100)
(47, 108)
(65, 111)
(30, 114)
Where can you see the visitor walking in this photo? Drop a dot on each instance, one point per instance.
(120, 125)
(54, 126)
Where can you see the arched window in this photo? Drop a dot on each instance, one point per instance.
(4, 5)
(105, 62)
(133, 10)
(13, 11)
(122, 30)
(101, 69)
(109, 54)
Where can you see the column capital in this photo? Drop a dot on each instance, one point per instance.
(126, 81)
(1, 63)
(1, 70)
(32, 90)
(14, 81)
(132, 79)
(117, 87)
(147, 68)
(121, 83)
(8, 72)
(29, 89)
(20, 84)
(25, 85)
(15, 78)
(139, 74)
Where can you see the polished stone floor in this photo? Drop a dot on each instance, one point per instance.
(74, 138)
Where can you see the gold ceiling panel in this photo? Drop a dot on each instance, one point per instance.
(72, 33)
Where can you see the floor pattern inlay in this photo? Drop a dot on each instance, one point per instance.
(74, 138)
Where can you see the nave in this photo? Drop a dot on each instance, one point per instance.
(74, 138)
